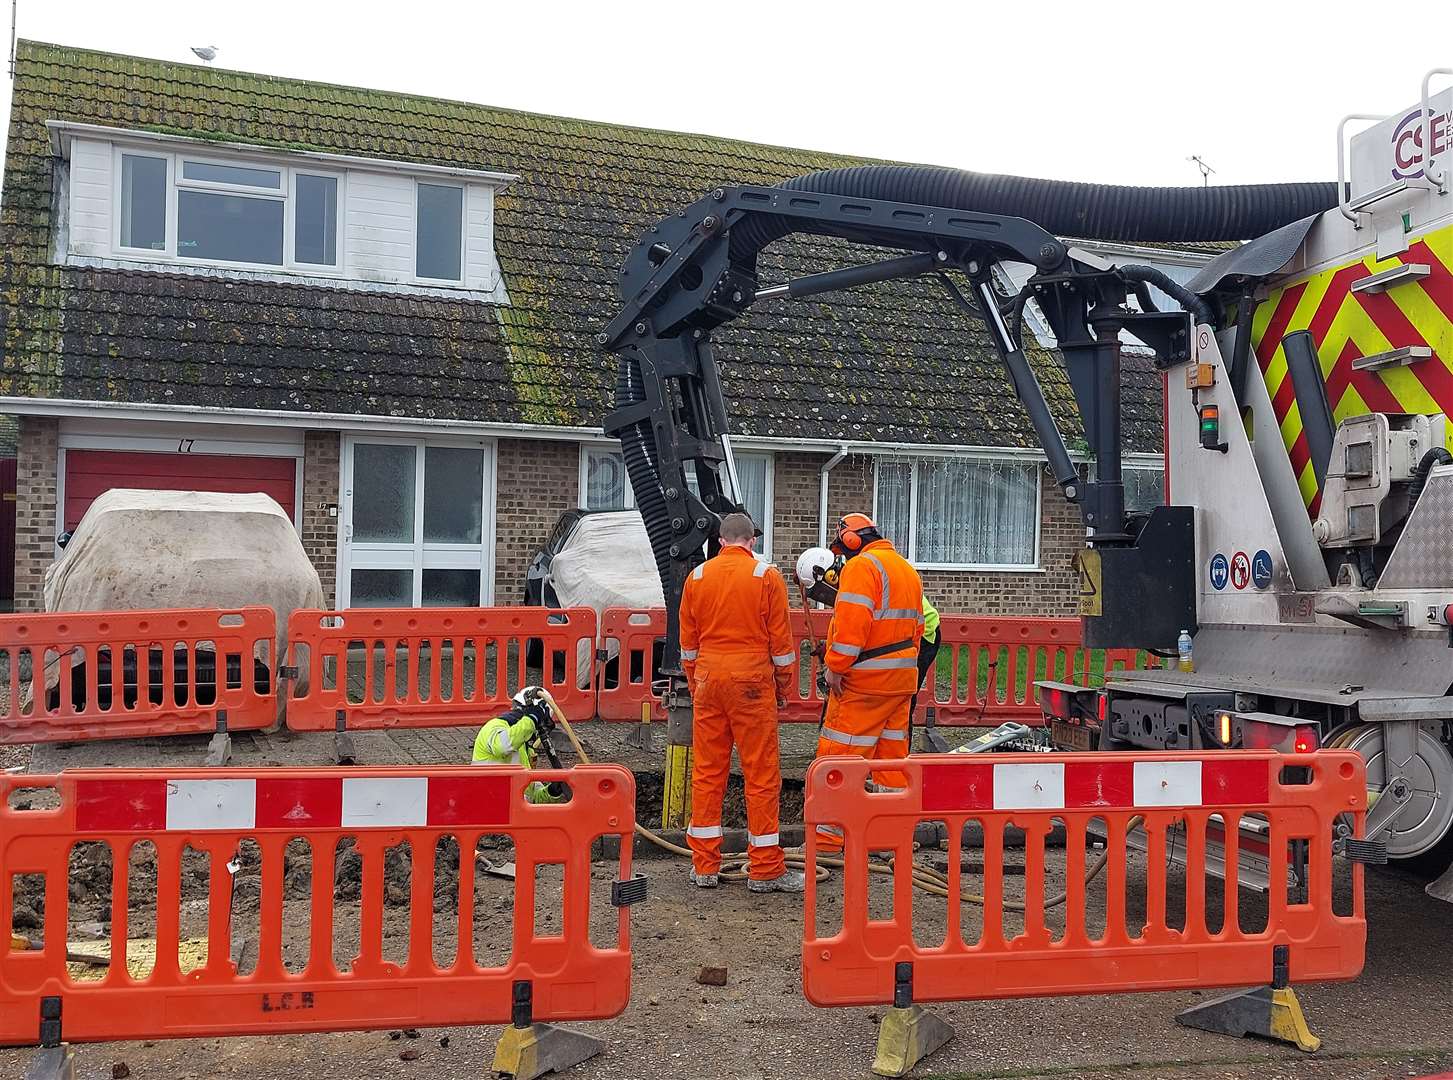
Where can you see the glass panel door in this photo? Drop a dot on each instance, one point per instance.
(418, 526)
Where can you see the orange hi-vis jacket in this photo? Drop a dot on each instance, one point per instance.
(734, 612)
(876, 623)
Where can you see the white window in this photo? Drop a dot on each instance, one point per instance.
(180, 204)
(960, 512)
(193, 208)
(604, 485)
(439, 232)
(418, 524)
(1144, 485)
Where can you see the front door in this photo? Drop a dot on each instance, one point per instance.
(418, 523)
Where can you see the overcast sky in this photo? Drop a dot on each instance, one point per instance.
(1122, 92)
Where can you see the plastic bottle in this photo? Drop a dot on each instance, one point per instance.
(1183, 647)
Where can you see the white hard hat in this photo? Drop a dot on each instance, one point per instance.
(530, 695)
(817, 558)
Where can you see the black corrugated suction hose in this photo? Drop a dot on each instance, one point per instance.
(638, 447)
(1065, 208)
(1110, 212)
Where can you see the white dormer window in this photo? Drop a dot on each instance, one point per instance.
(186, 208)
(180, 204)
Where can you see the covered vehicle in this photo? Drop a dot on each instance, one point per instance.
(138, 550)
(596, 559)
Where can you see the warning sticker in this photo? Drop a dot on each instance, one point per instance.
(1240, 570)
(1087, 563)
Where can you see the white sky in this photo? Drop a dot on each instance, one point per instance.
(1120, 92)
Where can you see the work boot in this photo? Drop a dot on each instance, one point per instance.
(704, 881)
(787, 881)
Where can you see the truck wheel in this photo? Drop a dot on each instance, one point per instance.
(1429, 815)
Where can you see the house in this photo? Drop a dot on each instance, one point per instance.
(381, 310)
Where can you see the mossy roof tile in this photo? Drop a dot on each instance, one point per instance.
(891, 362)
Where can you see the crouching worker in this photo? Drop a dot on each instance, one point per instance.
(516, 737)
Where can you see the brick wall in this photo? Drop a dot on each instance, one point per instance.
(35, 508)
(320, 492)
(1051, 590)
(537, 481)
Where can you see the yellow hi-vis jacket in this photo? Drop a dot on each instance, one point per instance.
(505, 741)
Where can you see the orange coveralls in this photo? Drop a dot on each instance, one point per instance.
(872, 642)
(737, 652)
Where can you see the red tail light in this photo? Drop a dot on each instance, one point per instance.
(1288, 738)
(1054, 703)
(1102, 706)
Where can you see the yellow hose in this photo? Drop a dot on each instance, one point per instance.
(931, 881)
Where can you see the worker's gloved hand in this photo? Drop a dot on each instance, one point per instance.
(820, 651)
(543, 716)
(555, 789)
(834, 681)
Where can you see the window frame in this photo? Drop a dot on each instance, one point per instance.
(910, 550)
(118, 167)
(448, 283)
(769, 486)
(586, 449)
(420, 554)
(285, 193)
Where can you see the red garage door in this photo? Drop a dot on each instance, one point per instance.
(89, 473)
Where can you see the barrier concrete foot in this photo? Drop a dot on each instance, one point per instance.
(1264, 1011)
(907, 1036)
(344, 752)
(219, 750)
(1442, 887)
(52, 1063)
(524, 1053)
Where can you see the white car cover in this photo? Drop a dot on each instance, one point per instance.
(606, 561)
(137, 549)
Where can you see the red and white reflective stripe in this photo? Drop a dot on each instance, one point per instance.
(303, 802)
(1056, 785)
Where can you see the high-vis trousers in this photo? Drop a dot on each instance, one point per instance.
(732, 704)
(865, 726)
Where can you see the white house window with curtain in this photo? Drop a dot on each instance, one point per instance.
(960, 512)
(605, 486)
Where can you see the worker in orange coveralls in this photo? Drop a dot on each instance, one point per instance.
(871, 655)
(737, 652)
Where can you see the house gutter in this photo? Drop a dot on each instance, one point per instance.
(827, 467)
(335, 421)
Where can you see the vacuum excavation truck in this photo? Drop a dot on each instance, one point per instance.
(1305, 549)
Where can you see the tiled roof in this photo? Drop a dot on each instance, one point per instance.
(893, 362)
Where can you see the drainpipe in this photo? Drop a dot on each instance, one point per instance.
(827, 467)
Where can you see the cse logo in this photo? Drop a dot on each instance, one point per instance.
(1407, 142)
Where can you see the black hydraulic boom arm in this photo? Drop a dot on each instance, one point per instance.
(698, 269)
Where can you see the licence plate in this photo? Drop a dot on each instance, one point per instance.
(1074, 736)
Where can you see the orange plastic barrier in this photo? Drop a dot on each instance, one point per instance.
(128, 674)
(1102, 939)
(631, 641)
(999, 659)
(369, 956)
(434, 667)
(979, 656)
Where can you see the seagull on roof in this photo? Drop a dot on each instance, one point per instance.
(207, 52)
